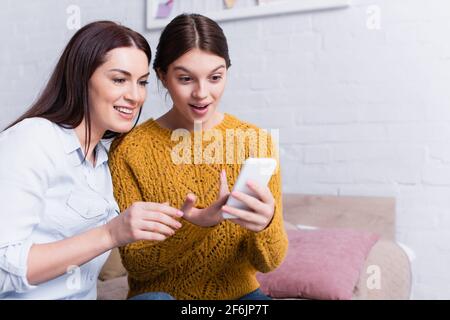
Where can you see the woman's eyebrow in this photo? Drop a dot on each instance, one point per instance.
(145, 75)
(128, 73)
(121, 71)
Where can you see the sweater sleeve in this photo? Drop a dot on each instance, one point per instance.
(126, 187)
(267, 248)
(144, 259)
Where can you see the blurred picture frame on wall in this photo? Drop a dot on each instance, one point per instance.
(160, 12)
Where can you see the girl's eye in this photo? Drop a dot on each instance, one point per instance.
(184, 79)
(216, 78)
(143, 83)
(118, 81)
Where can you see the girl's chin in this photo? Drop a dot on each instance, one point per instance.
(208, 122)
(201, 119)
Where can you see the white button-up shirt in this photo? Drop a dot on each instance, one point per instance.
(47, 193)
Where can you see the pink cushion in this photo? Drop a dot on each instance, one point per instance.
(320, 264)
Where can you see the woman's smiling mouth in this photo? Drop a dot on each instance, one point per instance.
(125, 112)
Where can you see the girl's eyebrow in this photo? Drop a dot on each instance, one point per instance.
(127, 73)
(187, 70)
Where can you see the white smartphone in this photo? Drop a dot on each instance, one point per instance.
(258, 170)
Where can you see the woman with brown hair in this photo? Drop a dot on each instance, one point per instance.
(209, 257)
(59, 217)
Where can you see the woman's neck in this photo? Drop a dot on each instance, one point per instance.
(96, 135)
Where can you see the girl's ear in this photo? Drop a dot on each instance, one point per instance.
(162, 77)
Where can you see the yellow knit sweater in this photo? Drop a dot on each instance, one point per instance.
(219, 262)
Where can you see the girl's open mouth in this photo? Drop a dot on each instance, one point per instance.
(199, 109)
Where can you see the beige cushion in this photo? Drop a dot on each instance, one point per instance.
(113, 289)
(289, 226)
(373, 214)
(389, 261)
(113, 267)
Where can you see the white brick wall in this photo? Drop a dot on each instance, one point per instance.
(360, 111)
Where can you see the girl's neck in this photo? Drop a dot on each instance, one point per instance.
(172, 120)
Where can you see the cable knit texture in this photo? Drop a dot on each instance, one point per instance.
(218, 262)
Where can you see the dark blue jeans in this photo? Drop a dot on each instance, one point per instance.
(254, 295)
(153, 296)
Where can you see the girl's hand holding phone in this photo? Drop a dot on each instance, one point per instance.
(251, 203)
(260, 210)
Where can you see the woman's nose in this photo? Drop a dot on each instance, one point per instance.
(133, 94)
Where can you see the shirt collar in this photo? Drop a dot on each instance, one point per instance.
(69, 139)
(102, 153)
(72, 147)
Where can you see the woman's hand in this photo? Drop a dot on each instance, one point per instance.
(262, 208)
(211, 215)
(144, 221)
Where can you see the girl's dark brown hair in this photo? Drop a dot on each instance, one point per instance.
(65, 98)
(186, 32)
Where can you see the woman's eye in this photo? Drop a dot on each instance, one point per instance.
(118, 80)
(143, 83)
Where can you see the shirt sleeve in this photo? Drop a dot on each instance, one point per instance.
(22, 186)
